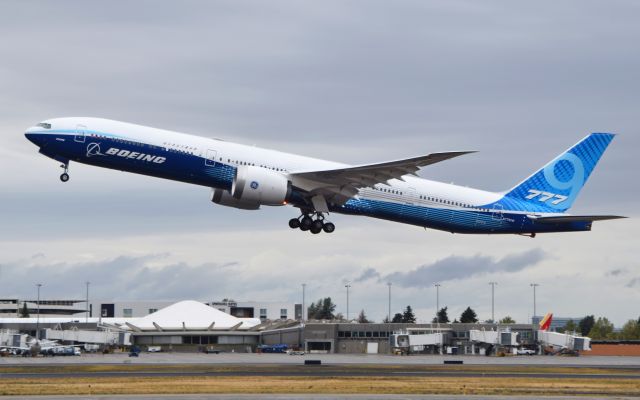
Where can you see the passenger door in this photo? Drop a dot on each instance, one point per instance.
(497, 212)
(210, 158)
(81, 131)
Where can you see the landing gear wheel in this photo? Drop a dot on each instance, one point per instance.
(64, 177)
(316, 227)
(294, 223)
(305, 223)
(315, 230)
(328, 227)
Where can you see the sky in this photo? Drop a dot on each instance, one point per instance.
(350, 81)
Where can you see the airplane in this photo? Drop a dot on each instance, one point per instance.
(248, 177)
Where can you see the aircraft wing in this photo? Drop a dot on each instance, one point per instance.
(339, 185)
(574, 218)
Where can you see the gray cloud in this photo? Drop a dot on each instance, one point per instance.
(126, 277)
(616, 272)
(456, 267)
(633, 283)
(369, 273)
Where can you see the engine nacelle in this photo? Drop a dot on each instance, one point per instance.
(260, 186)
(253, 187)
(224, 198)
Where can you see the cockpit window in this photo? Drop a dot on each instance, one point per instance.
(44, 125)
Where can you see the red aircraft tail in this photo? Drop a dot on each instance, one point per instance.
(545, 322)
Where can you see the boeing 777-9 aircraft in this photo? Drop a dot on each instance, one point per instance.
(248, 177)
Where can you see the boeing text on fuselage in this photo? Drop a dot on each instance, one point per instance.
(248, 178)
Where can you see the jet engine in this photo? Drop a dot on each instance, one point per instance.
(253, 187)
(224, 198)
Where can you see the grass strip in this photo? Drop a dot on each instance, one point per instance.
(321, 385)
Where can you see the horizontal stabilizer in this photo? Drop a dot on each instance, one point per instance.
(574, 218)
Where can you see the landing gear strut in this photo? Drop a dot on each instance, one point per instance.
(306, 222)
(65, 175)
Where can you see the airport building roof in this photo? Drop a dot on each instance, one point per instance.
(182, 316)
(191, 315)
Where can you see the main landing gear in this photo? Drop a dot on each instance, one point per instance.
(306, 222)
(65, 175)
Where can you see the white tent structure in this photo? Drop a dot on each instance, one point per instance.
(190, 315)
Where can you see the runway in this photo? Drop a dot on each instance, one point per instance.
(338, 376)
(244, 365)
(329, 359)
(316, 373)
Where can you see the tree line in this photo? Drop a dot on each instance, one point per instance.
(325, 308)
(603, 329)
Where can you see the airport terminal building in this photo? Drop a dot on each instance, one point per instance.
(190, 326)
(354, 338)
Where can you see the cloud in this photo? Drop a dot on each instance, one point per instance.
(633, 283)
(616, 272)
(369, 273)
(148, 276)
(456, 267)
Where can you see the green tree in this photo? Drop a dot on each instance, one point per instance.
(24, 312)
(441, 316)
(312, 310)
(630, 330)
(468, 316)
(397, 319)
(570, 326)
(602, 329)
(408, 317)
(586, 324)
(507, 320)
(362, 318)
(323, 309)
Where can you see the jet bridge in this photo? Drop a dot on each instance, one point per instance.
(488, 340)
(564, 341)
(104, 337)
(496, 338)
(409, 342)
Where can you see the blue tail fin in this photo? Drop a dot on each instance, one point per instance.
(555, 186)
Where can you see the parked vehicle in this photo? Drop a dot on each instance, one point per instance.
(273, 348)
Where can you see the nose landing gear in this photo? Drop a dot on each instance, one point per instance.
(305, 222)
(65, 175)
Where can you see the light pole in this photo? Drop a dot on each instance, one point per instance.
(493, 286)
(39, 285)
(389, 313)
(534, 286)
(304, 285)
(86, 313)
(347, 286)
(437, 285)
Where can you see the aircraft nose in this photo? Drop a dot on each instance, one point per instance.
(33, 137)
